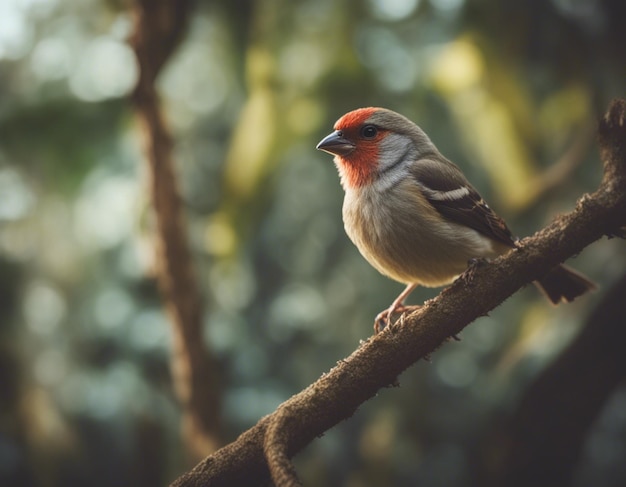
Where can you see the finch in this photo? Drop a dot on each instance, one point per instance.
(412, 213)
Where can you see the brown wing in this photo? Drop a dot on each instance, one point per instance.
(445, 187)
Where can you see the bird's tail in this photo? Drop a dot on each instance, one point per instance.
(564, 284)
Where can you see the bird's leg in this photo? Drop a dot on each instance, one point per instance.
(397, 306)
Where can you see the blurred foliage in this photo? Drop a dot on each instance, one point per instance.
(502, 87)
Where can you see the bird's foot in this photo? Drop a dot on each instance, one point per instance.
(617, 233)
(472, 265)
(383, 319)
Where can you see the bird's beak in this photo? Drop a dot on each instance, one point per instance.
(336, 144)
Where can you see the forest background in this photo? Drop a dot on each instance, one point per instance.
(90, 381)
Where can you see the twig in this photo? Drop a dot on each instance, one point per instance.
(159, 26)
(545, 182)
(276, 450)
(540, 444)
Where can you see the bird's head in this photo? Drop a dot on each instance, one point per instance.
(370, 142)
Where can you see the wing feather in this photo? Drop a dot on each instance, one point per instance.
(447, 190)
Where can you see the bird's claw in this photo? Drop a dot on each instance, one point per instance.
(383, 319)
(617, 233)
(472, 265)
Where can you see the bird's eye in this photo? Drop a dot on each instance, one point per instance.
(369, 132)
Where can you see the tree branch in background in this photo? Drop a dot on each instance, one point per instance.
(556, 174)
(541, 443)
(159, 26)
(378, 362)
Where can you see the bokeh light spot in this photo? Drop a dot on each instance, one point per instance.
(393, 9)
(44, 307)
(106, 69)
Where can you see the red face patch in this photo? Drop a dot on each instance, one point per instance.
(358, 167)
(355, 118)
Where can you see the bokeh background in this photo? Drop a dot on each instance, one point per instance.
(509, 90)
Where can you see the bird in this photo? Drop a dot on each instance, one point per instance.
(412, 213)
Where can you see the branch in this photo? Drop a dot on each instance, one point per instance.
(378, 362)
(282, 471)
(556, 174)
(159, 27)
(540, 444)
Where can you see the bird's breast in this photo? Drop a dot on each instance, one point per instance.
(402, 236)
